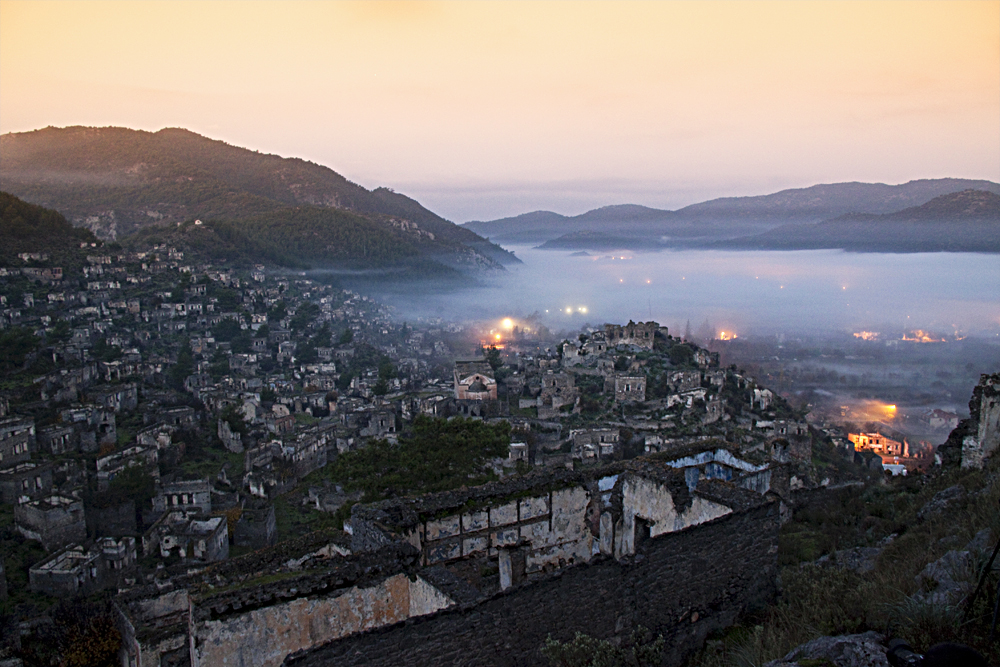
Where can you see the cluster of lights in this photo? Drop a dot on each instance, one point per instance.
(867, 335)
(921, 336)
(727, 335)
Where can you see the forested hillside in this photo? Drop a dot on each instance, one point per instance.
(26, 228)
(116, 181)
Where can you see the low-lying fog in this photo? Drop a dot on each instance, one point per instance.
(865, 340)
(746, 292)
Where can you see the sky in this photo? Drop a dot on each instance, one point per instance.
(481, 110)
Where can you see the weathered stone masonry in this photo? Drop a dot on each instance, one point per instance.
(682, 585)
(493, 570)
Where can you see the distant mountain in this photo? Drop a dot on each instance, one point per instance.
(822, 202)
(541, 226)
(968, 205)
(966, 221)
(586, 239)
(719, 219)
(115, 181)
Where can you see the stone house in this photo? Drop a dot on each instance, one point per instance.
(189, 536)
(79, 571)
(594, 443)
(55, 521)
(256, 527)
(630, 388)
(381, 424)
(71, 572)
(189, 495)
(474, 380)
(231, 440)
(25, 481)
(116, 397)
(309, 450)
(683, 381)
(17, 439)
(139, 455)
(95, 424)
(640, 334)
(58, 439)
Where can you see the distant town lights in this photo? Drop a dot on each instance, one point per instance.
(507, 323)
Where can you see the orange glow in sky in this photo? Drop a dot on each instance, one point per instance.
(488, 108)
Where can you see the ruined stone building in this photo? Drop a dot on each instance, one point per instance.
(189, 495)
(77, 570)
(639, 334)
(630, 388)
(189, 536)
(55, 521)
(594, 443)
(474, 380)
(488, 573)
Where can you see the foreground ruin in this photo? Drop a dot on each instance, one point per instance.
(485, 575)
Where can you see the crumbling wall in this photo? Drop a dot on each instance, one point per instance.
(263, 637)
(651, 502)
(988, 434)
(682, 585)
(552, 526)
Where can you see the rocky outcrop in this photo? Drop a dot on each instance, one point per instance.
(862, 650)
(941, 502)
(977, 437)
(949, 579)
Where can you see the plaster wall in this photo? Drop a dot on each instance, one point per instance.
(264, 637)
(554, 526)
(652, 502)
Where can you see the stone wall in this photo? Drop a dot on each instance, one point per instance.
(682, 585)
(263, 637)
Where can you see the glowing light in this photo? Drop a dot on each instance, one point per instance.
(569, 310)
(921, 336)
(497, 336)
(648, 282)
(507, 323)
(726, 335)
(582, 309)
(867, 335)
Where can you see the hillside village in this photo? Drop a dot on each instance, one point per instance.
(159, 416)
(202, 443)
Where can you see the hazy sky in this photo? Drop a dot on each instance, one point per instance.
(481, 110)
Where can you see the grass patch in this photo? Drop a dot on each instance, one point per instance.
(818, 601)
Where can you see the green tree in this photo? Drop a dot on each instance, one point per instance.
(304, 316)
(493, 357)
(16, 344)
(183, 368)
(346, 337)
(438, 455)
(277, 312)
(226, 330)
(233, 415)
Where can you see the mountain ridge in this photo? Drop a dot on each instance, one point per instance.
(728, 217)
(965, 221)
(115, 181)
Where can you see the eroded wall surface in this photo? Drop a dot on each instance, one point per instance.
(682, 585)
(264, 637)
(555, 525)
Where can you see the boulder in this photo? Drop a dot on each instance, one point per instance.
(861, 650)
